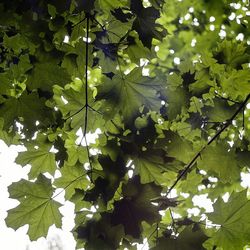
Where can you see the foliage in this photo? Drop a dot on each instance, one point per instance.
(166, 83)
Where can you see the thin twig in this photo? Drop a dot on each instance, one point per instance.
(86, 96)
(90, 164)
(78, 111)
(86, 77)
(79, 177)
(97, 111)
(243, 118)
(191, 163)
(149, 237)
(116, 126)
(226, 98)
(157, 231)
(79, 22)
(171, 215)
(102, 26)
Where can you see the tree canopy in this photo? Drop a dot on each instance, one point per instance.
(164, 84)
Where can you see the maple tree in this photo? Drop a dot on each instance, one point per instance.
(166, 84)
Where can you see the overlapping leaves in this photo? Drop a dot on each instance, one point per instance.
(128, 93)
(233, 220)
(161, 85)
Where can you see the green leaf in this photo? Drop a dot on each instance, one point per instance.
(234, 220)
(41, 161)
(17, 43)
(44, 77)
(192, 178)
(37, 208)
(5, 83)
(220, 112)
(8, 138)
(72, 103)
(179, 148)
(136, 50)
(145, 23)
(136, 207)
(141, 122)
(107, 5)
(231, 53)
(150, 169)
(28, 108)
(76, 153)
(72, 177)
(130, 92)
(177, 101)
(101, 234)
(236, 83)
(116, 30)
(220, 160)
(174, 81)
(189, 239)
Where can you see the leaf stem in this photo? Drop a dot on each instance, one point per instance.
(78, 111)
(69, 184)
(226, 99)
(79, 22)
(149, 237)
(191, 163)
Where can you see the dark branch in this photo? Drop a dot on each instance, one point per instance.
(86, 95)
(226, 98)
(86, 77)
(149, 237)
(79, 22)
(78, 111)
(191, 163)
(69, 184)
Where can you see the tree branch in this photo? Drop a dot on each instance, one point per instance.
(69, 184)
(86, 77)
(86, 95)
(226, 99)
(191, 163)
(78, 111)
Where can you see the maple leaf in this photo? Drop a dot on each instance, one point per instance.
(150, 168)
(73, 176)
(128, 93)
(135, 207)
(177, 147)
(110, 4)
(101, 234)
(41, 161)
(237, 83)
(43, 76)
(37, 208)
(218, 159)
(28, 108)
(234, 220)
(145, 24)
(187, 240)
(72, 103)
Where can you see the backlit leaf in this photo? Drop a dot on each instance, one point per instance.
(37, 208)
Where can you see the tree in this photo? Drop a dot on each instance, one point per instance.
(166, 84)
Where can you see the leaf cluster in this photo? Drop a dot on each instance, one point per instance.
(164, 91)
